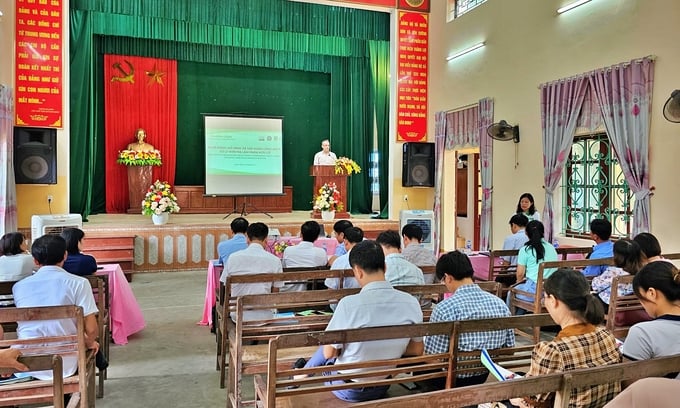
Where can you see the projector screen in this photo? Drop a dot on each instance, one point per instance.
(243, 155)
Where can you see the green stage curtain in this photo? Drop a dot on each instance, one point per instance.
(379, 52)
(257, 33)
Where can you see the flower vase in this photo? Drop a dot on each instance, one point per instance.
(160, 219)
(327, 215)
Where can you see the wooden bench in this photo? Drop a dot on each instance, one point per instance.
(535, 305)
(82, 384)
(38, 362)
(560, 383)
(106, 249)
(100, 290)
(252, 359)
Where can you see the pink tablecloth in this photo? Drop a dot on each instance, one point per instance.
(126, 315)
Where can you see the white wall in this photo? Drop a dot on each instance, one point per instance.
(529, 44)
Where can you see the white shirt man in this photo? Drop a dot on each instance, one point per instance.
(304, 254)
(325, 157)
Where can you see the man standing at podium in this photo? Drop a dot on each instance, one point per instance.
(325, 157)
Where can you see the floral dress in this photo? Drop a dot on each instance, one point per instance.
(602, 284)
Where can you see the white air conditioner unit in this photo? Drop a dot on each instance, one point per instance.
(422, 218)
(53, 224)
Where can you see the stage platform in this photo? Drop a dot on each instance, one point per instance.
(189, 241)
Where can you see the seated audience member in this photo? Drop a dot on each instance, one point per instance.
(600, 232)
(413, 250)
(650, 247)
(398, 271)
(253, 260)
(657, 285)
(339, 230)
(51, 285)
(526, 206)
(628, 261)
(353, 235)
(76, 262)
(15, 263)
(468, 302)
(648, 393)
(304, 254)
(237, 242)
(581, 343)
(536, 251)
(517, 239)
(377, 304)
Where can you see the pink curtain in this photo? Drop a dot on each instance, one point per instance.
(486, 158)
(624, 93)
(561, 102)
(8, 192)
(439, 141)
(462, 128)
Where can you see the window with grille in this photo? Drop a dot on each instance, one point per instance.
(456, 8)
(594, 187)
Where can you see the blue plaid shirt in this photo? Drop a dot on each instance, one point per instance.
(467, 303)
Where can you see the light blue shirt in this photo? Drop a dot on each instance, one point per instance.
(602, 250)
(341, 262)
(228, 247)
(527, 257)
(514, 241)
(399, 271)
(340, 249)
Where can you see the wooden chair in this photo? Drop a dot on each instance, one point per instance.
(7, 300)
(277, 390)
(82, 384)
(560, 383)
(38, 362)
(495, 288)
(563, 252)
(100, 290)
(535, 305)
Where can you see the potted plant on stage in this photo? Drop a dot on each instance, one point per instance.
(328, 201)
(345, 165)
(139, 171)
(159, 202)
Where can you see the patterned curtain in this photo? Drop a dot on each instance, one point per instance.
(624, 93)
(439, 141)
(486, 159)
(8, 192)
(590, 117)
(561, 102)
(462, 128)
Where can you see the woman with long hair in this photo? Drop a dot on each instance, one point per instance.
(628, 259)
(526, 206)
(581, 343)
(534, 252)
(657, 285)
(76, 262)
(15, 263)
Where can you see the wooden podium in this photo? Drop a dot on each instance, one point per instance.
(326, 174)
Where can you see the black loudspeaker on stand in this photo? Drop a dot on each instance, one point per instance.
(35, 155)
(418, 168)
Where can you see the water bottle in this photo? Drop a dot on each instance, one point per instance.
(468, 247)
(556, 243)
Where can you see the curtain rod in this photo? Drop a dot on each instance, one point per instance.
(609, 68)
(460, 108)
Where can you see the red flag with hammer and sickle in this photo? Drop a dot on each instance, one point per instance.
(139, 93)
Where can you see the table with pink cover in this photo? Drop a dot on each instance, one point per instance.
(212, 281)
(126, 315)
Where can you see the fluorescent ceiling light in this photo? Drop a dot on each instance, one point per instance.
(465, 51)
(571, 6)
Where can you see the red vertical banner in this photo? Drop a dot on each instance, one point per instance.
(412, 77)
(139, 93)
(38, 55)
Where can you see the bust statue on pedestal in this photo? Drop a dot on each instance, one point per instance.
(139, 177)
(140, 145)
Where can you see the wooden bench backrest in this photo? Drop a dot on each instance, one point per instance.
(36, 391)
(563, 252)
(560, 383)
(100, 290)
(536, 304)
(278, 382)
(38, 362)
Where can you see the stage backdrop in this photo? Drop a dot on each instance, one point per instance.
(139, 93)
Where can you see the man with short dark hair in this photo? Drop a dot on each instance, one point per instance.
(398, 271)
(600, 232)
(518, 238)
(377, 304)
(339, 229)
(413, 250)
(304, 254)
(51, 285)
(468, 302)
(352, 235)
(237, 243)
(253, 260)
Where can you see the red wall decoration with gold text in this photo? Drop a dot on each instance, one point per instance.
(412, 77)
(39, 79)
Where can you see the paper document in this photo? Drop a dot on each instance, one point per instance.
(501, 373)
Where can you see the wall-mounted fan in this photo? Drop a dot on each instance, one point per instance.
(671, 110)
(504, 132)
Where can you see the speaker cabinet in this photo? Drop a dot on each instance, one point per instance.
(35, 155)
(418, 168)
